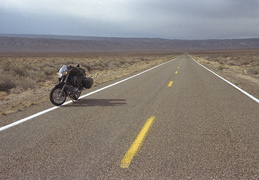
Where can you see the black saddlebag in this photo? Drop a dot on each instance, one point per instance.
(87, 82)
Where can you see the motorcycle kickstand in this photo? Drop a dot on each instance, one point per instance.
(73, 100)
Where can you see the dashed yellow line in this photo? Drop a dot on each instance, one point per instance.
(170, 83)
(176, 72)
(125, 162)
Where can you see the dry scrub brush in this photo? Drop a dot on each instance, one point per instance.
(248, 60)
(22, 72)
(22, 75)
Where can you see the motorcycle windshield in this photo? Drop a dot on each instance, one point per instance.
(62, 71)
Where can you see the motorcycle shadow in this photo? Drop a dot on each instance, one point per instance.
(97, 102)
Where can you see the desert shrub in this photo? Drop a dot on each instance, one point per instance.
(27, 83)
(49, 70)
(6, 83)
(231, 63)
(69, 62)
(131, 62)
(98, 66)
(220, 68)
(37, 76)
(33, 67)
(255, 62)
(20, 69)
(6, 65)
(244, 63)
(142, 59)
(83, 63)
(253, 71)
(221, 62)
(88, 68)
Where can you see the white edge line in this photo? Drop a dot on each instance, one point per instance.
(238, 88)
(83, 96)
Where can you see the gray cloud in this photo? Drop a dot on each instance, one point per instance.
(174, 19)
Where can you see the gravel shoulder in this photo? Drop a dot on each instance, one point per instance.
(234, 74)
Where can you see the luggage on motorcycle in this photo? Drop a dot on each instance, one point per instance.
(80, 72)
(87, 82)
(77, 71)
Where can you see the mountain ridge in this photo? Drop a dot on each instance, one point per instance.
(10, 43)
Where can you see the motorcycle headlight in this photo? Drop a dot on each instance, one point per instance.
(60, 75)
(62, 71)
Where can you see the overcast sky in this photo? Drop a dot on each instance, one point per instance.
(172, 19)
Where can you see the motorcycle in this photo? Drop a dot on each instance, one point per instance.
(69, 84)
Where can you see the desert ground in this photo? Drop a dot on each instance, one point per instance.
(241, 67)
(28, 78)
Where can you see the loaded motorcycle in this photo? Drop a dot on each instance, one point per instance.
(72, 81)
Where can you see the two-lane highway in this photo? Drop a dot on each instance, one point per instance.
(175, 121)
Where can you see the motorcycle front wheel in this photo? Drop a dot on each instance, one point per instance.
(56, 97)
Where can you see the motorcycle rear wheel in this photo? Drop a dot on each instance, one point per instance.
(56, 97)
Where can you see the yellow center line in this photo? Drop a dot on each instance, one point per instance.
(170, 83)
(125, 162)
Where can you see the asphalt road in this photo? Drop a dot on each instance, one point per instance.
(202, 128)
